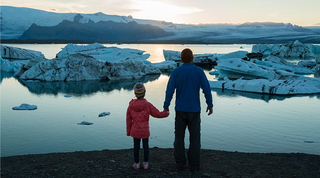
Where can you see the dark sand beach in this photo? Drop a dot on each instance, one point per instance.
(117, 163)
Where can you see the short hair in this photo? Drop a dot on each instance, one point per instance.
(186, 56)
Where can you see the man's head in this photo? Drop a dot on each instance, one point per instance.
(186, 56)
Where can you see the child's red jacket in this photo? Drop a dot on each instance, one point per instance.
(138, 117)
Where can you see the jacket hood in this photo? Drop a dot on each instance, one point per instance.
(138, 105)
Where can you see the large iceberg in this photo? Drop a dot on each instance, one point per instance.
(103, 53)
(276, 87)
(11, 66)
(234, 68)
(253, 77)
(278, 63)
(8, 52)
(208, 58)
(79, 67)
(12, 58)
(292, 49)
(91, 62)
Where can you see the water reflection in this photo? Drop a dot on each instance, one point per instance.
(258, 96)
(80, 88)
(5, 75)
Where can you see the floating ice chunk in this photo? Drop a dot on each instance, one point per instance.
(103, 114)
(9, 66)
(103, 53)
(79, 67)
(318, 59)
(235, 68)
(8, 52)
(197, 58)
(291, 49)
(215, 72)
(277, 63)
(309, 141)
(85, 123)
(236, 54)
(25, 106)
(165, 65)
(276, 87)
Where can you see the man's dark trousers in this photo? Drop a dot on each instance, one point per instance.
(192, 120)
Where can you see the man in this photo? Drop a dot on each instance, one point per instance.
(187, 81)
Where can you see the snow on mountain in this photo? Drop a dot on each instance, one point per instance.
(16, 20)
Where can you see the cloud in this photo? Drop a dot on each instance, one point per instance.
(274, 14)
(53, 10)
(157, 10)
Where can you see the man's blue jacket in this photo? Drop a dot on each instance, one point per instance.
(187, 81)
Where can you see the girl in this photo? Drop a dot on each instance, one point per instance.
(138, 123)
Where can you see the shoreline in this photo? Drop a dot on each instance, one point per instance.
(117, 163)
(180, 42)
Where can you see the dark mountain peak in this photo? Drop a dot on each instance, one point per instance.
(77, 18)
(100, 31)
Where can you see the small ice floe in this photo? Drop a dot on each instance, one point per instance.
(308, 141)
(103, 114)
(85, 123)
(67, 96)
(25, 106)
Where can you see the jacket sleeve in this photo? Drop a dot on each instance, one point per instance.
(170, 90)
(206, 90)
(154, 112)
(129, 121)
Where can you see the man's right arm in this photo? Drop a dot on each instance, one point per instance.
(169, 92)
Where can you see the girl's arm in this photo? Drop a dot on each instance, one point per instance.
(154, 112)
(129, 122)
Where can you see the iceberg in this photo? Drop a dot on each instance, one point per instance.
(273, 87)
(292, 49)
(80, 67)
(208, 58)
(103, 114)
(25, 106)
(197, 58)
(85, 123)
(11, 66)
(166, 65)
(235, 68)
(8, 52)
(277, 63)
(318, 59)
(103, 53)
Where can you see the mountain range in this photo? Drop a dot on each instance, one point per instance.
(26, 24)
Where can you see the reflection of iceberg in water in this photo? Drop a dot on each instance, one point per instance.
(258, 96)
(5, 75)
(79, 88)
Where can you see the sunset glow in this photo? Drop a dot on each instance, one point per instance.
(299, 12)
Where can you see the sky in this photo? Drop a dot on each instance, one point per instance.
(298, 12)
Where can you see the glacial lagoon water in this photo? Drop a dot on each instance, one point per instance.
(243, 122)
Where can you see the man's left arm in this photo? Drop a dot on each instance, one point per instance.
(207, 93)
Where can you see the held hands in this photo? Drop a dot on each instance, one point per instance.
(210, 111)
(166, 110)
